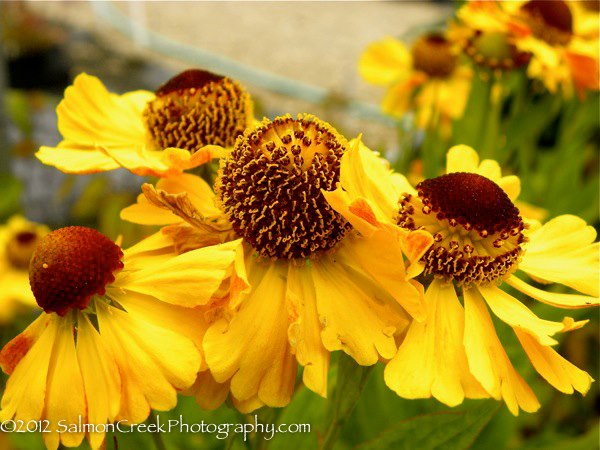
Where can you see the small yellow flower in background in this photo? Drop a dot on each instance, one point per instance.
(428, 78)
(480, 242)
(114, 341)
(560, 37)
(162, 133)
(18, 239)
(304, 283)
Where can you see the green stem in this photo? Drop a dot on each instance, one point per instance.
(156, 437)
(351, 381)
(491, 130)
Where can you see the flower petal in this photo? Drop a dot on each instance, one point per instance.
(563, 251)
(25, 392)
(304, 332)
(488, 361)
(556, 370)
(353, 314)
(154, 361)
(208, 392)
(462, 158)
(253, 349)
(100, 378)
(571, 301)
(65, 395)
(188, 280)
(431, 361)
(516, 314)
(385, 61)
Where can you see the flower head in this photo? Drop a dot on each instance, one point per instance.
(425, 77)
(304, 284)
(480, 241)
(18, 239)
(115, 340)
(161, 133)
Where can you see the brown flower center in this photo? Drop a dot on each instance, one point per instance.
(270, 187)
(549, 20)
(70, 265)
(477, 229)
(433, 55)
(198, 108)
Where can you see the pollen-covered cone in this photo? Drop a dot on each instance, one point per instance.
(115, 340)
(183, 125)
(479, 241)
(304, 282)
(18, 238)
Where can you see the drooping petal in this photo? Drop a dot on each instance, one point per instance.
(516, 314)
(154, 361)
(355, 317)
(555, 369)
(381, 257)
(563, 251)
(431, 361)
(65, 396)
(252, 349)
(208, 392)
(101, 378)
(571, 301)
(488, 361)
(25, 392)
(304, 332)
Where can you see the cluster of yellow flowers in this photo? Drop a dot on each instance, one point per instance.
(555, 41)
(306, 244)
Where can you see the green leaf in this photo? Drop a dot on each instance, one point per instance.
(453, 429)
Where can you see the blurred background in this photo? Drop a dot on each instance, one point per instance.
(292, 57)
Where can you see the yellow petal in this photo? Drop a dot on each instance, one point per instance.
(353, 318)
(462, 158)
(563, 251)
(208, 393)
(431, 361)
(253, 349)
(380, 256)
(146, 213)
(364, 173)
(385, 61)
(556, 370)
(154, 361)
(199, 192)
(100, 378)
(304, 332)
(510, 184)
(90, 118)
(188, 280)
(516, 314)
(65, 396)
(155, 249)
(488, 361)
(68, 158)
(26, 388)
(552, 298)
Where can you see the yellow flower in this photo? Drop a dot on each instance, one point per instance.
(304, 283)
(178, 127)
(428, 78)
(115, 341)
(481, 241)
(18, 239)
(561, 38)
